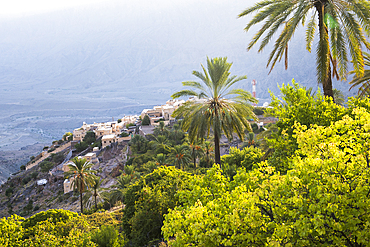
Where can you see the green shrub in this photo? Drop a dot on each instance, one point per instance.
(106, 236)
(57, 158)
(9, 191)
(259, 110)
(81, 146)
(26, 180)
(90, 137)
(46, 166)
(124, 134)
(23, 167)
(56, 215)
(34, 175)
(129, 125)
(129, 162)
(146, 120)
(67, 136)
(51, 150)
(27, 209)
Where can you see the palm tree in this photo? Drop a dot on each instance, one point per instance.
(160, 159)
(180, 156)
(339, 26)
(176, 134)
(338, 97)
(213, 109)
(139, 143)
(94, 192)
(129, 175)
(196, 151)
(250, 139)
(161, 129)
(160, 143)
(82, 175)
(208, 149)
(362, 81)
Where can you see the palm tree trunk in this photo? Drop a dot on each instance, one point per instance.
(327, 84)
(207, 157)
(217, 149)
(194, 158)
(96, 205)
(81, 204)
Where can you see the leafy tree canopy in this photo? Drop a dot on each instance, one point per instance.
(322, 201)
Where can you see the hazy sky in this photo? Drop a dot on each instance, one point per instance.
(14, 8)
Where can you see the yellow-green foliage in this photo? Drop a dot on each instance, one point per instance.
(247, 157)
(323, 200)
(147, 200)
(58, 228)
(99, 219)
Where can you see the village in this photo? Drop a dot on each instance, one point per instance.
(110, 133)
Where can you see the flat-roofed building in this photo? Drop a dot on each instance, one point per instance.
(91, 157)
(108, 140)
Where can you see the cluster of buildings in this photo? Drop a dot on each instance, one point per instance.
(110, 132)
(162, 112)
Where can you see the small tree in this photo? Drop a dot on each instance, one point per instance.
(146, 120)
(90, 137)
(67, 135)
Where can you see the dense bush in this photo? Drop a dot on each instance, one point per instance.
(146, 120)
(9, 191)
(46, 166)
(106, 236)
(81, 146)
(124, 134)
(247, 157)
(90, 137)
(148, 200)
(321, 201)
(57, 158)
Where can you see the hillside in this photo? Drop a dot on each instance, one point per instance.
(20, 189)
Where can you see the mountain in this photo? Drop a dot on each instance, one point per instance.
(96, 62)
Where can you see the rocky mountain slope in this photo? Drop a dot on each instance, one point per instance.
(20, 189)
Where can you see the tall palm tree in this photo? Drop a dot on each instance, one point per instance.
(82, 175)
(218, 107)
(341, 26)
(362, 81)
(180, 156)
(93, 194)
